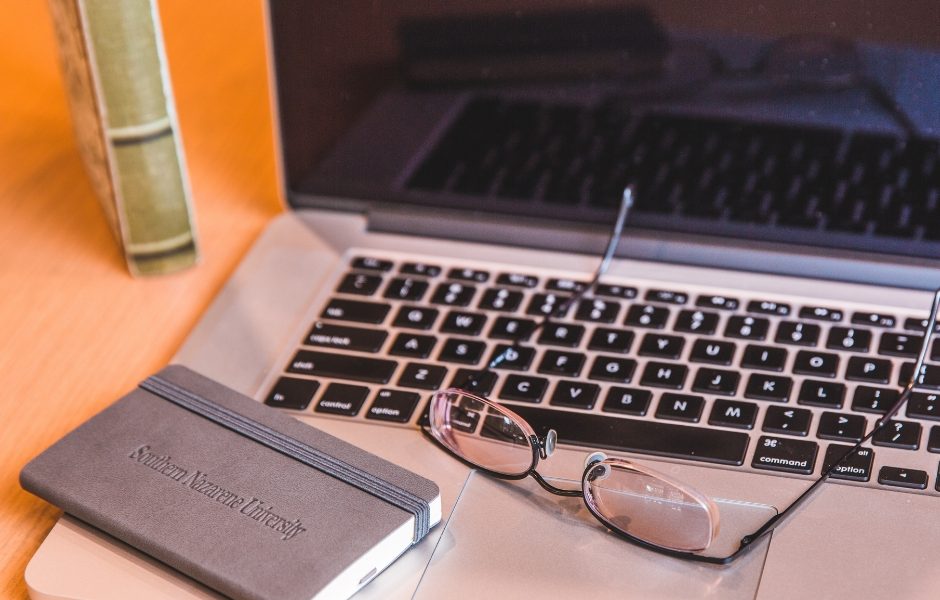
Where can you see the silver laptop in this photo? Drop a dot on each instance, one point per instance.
(453, 170)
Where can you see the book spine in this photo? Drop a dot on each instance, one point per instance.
(124, 115)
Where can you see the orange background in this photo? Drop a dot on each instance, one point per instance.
(76, 331)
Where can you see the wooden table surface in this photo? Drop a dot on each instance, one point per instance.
(76, 330)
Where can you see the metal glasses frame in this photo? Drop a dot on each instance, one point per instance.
(542, 448)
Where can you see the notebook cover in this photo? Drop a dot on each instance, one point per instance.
(229, 512)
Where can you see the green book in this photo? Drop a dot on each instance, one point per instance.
(122, 106)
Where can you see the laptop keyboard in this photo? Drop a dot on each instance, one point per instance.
(768, 384)
(757, 180)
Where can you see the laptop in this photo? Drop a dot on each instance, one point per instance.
(453, 170)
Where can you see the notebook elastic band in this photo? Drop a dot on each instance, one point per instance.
(295, 449)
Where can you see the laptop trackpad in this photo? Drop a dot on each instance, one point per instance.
(515, 540)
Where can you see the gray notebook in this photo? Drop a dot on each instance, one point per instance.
(238, 496)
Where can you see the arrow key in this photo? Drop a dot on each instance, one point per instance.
(906, 478)
(792, 421)
(848, 428)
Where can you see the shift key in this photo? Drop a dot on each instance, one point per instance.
(342, 366)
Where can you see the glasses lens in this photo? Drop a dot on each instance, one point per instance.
(481, 432)
(649, 506)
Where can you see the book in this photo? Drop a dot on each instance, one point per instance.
(124, 117)
(242, 498)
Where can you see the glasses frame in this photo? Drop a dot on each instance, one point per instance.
(542, 448)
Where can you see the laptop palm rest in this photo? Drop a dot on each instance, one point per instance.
(514, 540)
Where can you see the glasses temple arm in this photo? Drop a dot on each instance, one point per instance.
(777, 519)
(613, 241)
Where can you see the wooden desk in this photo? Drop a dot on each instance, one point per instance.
(76, 330)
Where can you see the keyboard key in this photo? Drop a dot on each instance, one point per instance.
(342, 399)
(355, 310)
(787, 455)
(821, 313)
(517, 280)
(933, 440)
(611, 340)
(371, 264)
(561, 334)
(923, 406)
(523, 388)
(900, 344)
(513, 357)
(874, 400)
(874, 319)
(719, 302)
(423, 269)
(393, 405)
(547, 304)
(747, 328)
(465, 323)
(480, 382)
(644, 437)
(413, 345)
(713, 351)
(767, 358)
(406, 288)
(680, 407)
(292, 393)
(611, 368)
(667, 375)
(556, 362)
(415, 317)
(628, 401)
(472, 275)
(511, 328)
(361, 284)
(767, 307)
(919, 324)
(816, 363)
(905, 478)
(666, 296)
(341, 366)
(768, 387)
(661, 346)
(615, 291)
(716, 381)
(575, 394)
(696, 321)
(565, 285)
(847, 428)
(597, 311)
(732, 413)
(458, 350)
(849, 338)
(799, 334)
(453, 294)
(828, 394)
(929, 376)
(358, 339)
(898, 434)
(500, 299)
(645, 315)
(425, 377)
(872, 370)
(856, 467)
(783, 419)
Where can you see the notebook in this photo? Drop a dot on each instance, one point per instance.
(453, 172)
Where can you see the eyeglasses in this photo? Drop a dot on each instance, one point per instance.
(647, 508)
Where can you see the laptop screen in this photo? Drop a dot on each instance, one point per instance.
(802, 123)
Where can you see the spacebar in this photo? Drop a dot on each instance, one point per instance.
(644, 437)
